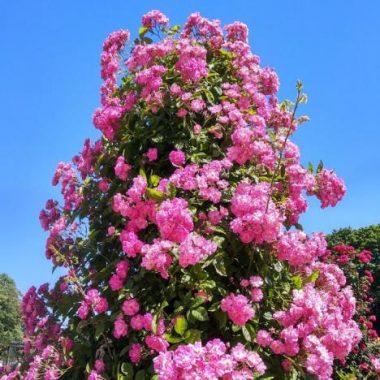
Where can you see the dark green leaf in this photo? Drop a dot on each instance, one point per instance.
(200, 314)
(192, 336)
(140, 375)
(127, 370)
(246, 334)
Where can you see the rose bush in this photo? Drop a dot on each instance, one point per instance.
(359, 267)
(179, 227)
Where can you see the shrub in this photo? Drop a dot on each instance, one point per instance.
(179, 227)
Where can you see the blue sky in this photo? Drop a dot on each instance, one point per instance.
(49, 68)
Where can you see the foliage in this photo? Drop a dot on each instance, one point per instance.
(179, 227)
(361, 238)
(10, 316)
(365, 238)
(358, 254)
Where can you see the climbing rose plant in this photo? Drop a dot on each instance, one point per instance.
(179, 228)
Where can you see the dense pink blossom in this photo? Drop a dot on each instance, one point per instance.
(116, 282)
(107, 120)
(103, 186)
(329, 188)
(257, 295)
(93, 301)
(375, 362)
(120, 328)
(256, 281)
(364, 256)
(194, 249)
(156, 343)
(174, 220)
(154, 18)
(177, 157)
(122, 168)
(192, 61)
(257, 218)
(151, 79)
(135, 353)
(237, 31)
(242, 149)
(197, 105)
(238, 309)
(130, 307)
(319, 320)
(211, 361)
(130, 243)
(99, 365)
(156, 257)
(67, 177)
(152, 154)
(138, 188)
(298, 249)
(203, 30)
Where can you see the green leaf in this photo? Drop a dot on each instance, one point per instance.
(142, 30)
(314, 276)
(173, 339)
(268, 315)
(140, 375)
(142, 173)
(99, 329)
(192, 336)
(180, 325)
(209, 96)
(299, 85)
(320, 166)
(197, 302)
(209, 284)
(221, 317)
(278, 267)
(218, 90)
(297, 281)
(127, 370)
(147, 40)
(154, 180)
(246, 334)
(155, 194)
(200, 314)
(220, 265)
(172, 190)
(175, 28)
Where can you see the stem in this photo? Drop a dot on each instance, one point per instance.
(288, 132)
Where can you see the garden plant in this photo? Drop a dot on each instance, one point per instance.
(179, 228)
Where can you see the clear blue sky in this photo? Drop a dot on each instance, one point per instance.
(49, 67)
